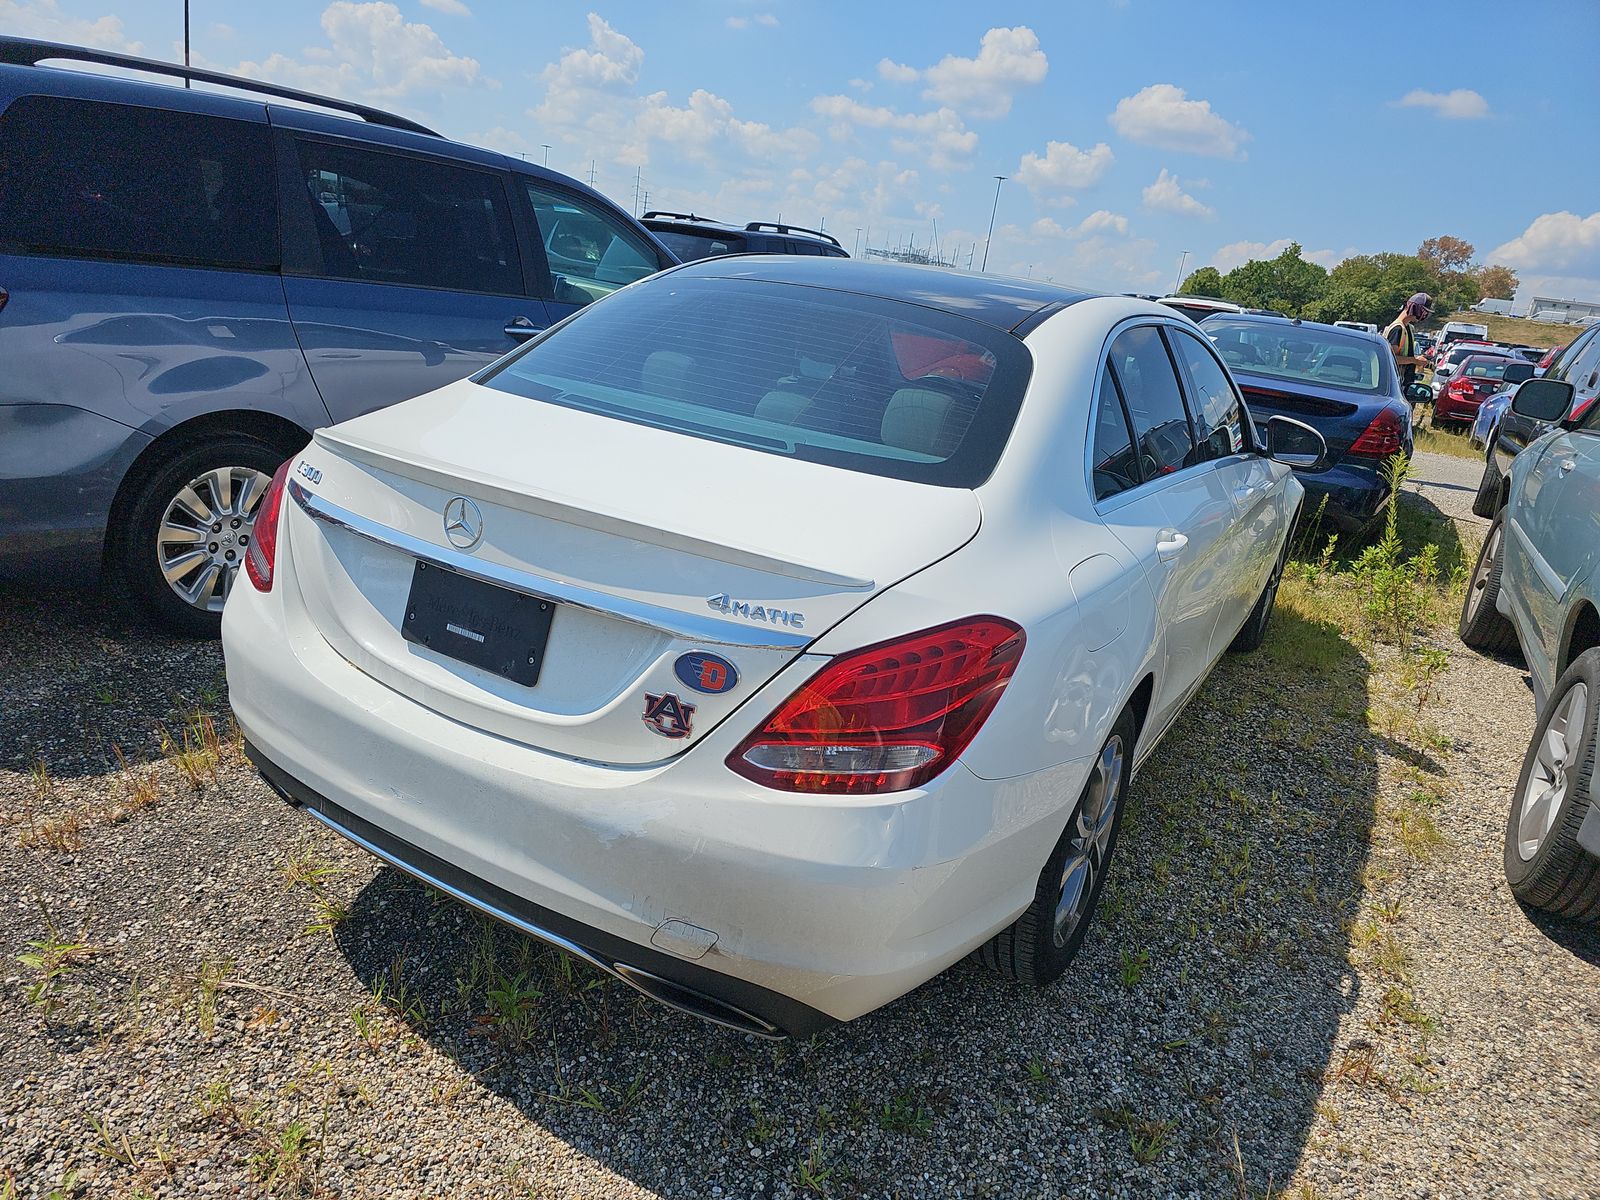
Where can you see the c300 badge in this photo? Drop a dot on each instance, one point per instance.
(667, 715)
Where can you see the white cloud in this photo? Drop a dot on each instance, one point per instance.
(452, 8)
(942, 138)
(764, 20)
(984, 86)
(43, 19)
(1558, 243)
(1047, 227)
(1063, 166)
(373, 51)
(1163, 115)
(1166, 194)
(1236, 254)
(1101, 221)
(1461, 104)
(610, 60)
(708, 121)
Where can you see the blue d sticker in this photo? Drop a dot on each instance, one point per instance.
(704, 672)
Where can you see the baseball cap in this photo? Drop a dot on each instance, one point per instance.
(1420, 304)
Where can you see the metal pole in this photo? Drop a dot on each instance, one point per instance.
(1176, 287)
(858, 241)
(186, 39)
(546, 146)
(998, 180)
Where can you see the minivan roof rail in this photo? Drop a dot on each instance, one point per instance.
(757, 226)
(24, 52)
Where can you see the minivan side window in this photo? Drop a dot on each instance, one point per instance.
(1143, 370)
(1218, 421)
(1115, 466)
(591, 253)
(392, 218)
(93, 179)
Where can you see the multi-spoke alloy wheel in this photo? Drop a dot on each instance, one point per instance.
(1545, 790)
(1090, 840)
(205, 532)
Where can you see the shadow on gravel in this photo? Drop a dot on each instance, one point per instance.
(1187, 1045)
(78, 676)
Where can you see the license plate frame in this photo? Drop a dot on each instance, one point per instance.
(478, 623)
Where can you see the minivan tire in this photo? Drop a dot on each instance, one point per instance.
(137, 553)
(1487, 502)
(1483, 626)
(1028, 950)
(1558, 876)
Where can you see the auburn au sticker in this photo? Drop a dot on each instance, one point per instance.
(667, 715)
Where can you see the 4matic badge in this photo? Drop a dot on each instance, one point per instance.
(667, 715)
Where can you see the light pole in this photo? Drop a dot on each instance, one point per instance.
(186, 39)
(1176, 287)
(858, 241)
(998, 180)
(546, 146)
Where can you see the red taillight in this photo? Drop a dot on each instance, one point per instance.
(1385, 436)
(886, 717)
(1460, 386)
(262, 553)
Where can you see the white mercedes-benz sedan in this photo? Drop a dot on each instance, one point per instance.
(774, 632)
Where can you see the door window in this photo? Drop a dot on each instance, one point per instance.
(591, 252)
(84, 177)
(1143, 370)
(1565, 361)
(392, 218)
(1218, 423)
(1116, 466)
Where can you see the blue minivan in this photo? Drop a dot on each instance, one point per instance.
(192, 281)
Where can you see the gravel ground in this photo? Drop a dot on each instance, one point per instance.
(1289, 990)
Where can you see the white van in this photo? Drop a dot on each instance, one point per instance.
(1364, 326)
(1463, 331)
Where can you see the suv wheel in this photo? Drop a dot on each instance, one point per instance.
(1039, 945)
(1487, 502)
(189, 526)
(1483, 626)
(1545, 865)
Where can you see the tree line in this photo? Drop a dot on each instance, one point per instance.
(1368, 287)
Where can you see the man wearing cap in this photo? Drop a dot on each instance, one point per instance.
(1401, 341)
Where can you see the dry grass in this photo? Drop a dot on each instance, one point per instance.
(1519, 331)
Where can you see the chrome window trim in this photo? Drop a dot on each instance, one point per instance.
(707, 630)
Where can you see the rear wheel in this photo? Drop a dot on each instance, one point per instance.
(1487, 502)
(1545, 865)
(1040, 944)
(1483, 626)
(189, 526)
(1254, 630)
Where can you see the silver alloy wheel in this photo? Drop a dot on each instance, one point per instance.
(1091, 837)
(1480, 577)
(205, 531)
(1559, 749)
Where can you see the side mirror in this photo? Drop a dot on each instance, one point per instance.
(1419, 393)
(1296, 444)
(1518, 372)
(1544, 400)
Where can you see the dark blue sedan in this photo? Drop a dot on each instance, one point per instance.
(1341, 381)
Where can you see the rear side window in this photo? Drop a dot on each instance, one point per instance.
(1215, 407)
(852, 381)
(391, 218)
(117, 181)
(591, 252)
(1143, 370)
(1116, 466)
(690, 246)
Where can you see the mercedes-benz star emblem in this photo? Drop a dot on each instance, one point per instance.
(463, 523)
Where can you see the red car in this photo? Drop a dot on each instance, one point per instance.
(1474, 380)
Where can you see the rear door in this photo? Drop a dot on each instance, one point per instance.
(402, 271)
(1178, 520)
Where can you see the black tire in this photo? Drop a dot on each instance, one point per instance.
(1029, 949)
(1483, 626)
(1487, 502)
(1558, 875)
(137, 549)
(1254, 630)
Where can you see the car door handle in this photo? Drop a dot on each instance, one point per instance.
(1244, 494)
(1170, 544)
(520, 328)
(1567, 464)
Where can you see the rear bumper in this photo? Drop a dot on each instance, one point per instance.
(793, 909)
(1355, 496)
(60, 468)
(1448, 408)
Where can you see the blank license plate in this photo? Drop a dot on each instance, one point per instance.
(478, 623)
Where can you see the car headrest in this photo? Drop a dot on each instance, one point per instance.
(666, 373)
(924, 421)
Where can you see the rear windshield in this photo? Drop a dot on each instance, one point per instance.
(690, 246)
(1485, 368)
(850, 381)
(1322, 356)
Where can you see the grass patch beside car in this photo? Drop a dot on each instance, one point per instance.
(1453, 442)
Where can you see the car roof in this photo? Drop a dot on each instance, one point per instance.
(998, 300)
(1279, 320)
(692, 223)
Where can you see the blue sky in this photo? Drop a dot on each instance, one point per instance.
(1130, 130)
